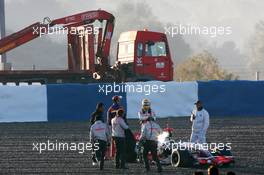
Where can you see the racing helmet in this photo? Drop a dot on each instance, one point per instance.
(116, 98)
(146, 104)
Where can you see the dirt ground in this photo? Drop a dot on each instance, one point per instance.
(18, 157)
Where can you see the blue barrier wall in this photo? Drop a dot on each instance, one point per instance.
(232, 98)
(177, 99)
(23, 103)
(74, 102)
(70, 102)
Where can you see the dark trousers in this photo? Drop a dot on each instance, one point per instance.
(151, 146)
(120, 152)
(100, 153)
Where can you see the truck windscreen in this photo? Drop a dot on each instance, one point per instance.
(155, 48)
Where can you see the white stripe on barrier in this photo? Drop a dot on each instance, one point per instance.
(23, 103)
(11, 84)
(23, 84)
(36, 83)
(177, 100)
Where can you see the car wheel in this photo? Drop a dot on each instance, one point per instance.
(181, 158)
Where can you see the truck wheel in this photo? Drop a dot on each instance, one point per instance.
(181, 158)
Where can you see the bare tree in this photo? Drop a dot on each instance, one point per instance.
(256, 48)
(202, 66)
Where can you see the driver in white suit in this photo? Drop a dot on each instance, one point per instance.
(200, 123)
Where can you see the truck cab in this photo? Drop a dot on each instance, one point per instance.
(147, 53)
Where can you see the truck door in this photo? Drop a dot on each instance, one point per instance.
(156, 60)
(139, 50)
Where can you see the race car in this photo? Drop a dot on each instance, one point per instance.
(194, 154)
(186, 154)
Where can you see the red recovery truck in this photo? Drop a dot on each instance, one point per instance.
(89, 50)
(147, 53)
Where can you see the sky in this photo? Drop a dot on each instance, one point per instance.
(240, 15)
